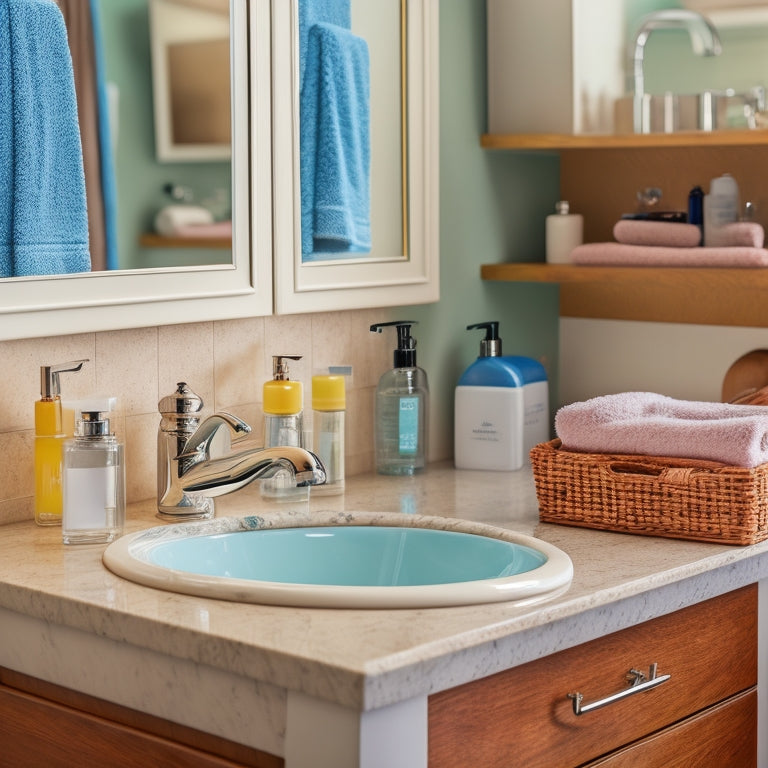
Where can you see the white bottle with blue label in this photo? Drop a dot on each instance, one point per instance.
(401, 417)
(501, 408)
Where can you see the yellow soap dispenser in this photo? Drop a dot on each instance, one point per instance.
(49, 443)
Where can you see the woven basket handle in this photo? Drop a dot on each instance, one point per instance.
(664, 474)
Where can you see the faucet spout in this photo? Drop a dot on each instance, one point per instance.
(230, 473)
(705, 41)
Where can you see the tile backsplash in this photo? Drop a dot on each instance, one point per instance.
(226, 362)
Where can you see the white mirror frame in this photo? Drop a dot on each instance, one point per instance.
(346, 284)
(98, 301)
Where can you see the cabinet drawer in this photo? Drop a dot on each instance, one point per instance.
(725, 734)
(523, 717)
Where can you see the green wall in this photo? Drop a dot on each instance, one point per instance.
(492, 209)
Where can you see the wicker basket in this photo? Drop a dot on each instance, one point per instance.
(652, 495)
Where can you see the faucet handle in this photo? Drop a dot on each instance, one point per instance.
(214, 437)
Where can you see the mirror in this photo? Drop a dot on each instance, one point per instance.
(581, 68)
(688, 86)
(352, 91)
(392, 47)
(147, 294)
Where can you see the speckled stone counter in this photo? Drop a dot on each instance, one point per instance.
(65, 618)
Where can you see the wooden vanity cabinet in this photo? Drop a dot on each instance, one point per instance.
(707, 708)
(46, 725)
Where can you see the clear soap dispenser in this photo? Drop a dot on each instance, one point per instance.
(94, 483)
(283, 401)
(401, 408)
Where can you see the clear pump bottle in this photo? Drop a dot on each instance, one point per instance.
(94, 483)
(401, 409)
(283, 401)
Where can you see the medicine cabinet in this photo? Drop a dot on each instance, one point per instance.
(267, 274)
(403, 263)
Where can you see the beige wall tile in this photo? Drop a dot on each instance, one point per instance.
(17, 466)
(290, 335)
(20, 379)
(185, 353)
(238, 358)
(359, 420)
(141, 456)
(127, 367)
(16, 510)
(375, 349)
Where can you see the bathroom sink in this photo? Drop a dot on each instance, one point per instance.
(344, 560)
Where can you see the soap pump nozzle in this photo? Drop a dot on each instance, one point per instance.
(50, 384)
(490, 346)
(280, 367)
(405, 354)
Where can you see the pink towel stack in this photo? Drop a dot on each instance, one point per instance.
(650, 424)
(661, 233)
(667, 244)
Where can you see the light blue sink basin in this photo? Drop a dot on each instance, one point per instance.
(360, 560)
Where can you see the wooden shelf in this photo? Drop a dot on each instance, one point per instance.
(709, 296)
(149, 240)
(556, 141)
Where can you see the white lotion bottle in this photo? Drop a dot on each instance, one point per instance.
(564, 231)
(721, 207)
(501, 408)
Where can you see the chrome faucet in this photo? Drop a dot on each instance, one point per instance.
(704, 40)
(194, 468)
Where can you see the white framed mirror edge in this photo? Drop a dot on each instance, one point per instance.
(32, 308)
(397, 281)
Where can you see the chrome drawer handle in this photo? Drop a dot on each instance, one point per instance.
(638, 683)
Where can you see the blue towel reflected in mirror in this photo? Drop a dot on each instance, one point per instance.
(43, 221)
(335, 135)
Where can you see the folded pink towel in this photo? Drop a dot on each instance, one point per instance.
(739, 233)
(217, 229)
(619, 254)
(654, 425)
(666, 233)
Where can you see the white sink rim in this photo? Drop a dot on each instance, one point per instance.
(128, 558)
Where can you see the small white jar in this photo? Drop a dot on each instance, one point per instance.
(564, 231)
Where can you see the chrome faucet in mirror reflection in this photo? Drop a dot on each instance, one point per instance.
(705, 41)
(195, 460)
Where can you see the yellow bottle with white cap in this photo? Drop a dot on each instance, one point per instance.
(328, 407)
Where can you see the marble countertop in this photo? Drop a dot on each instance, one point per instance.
(370, 658)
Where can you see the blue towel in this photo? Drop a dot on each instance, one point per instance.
(6, 146)
(313, 12)
(43, 221)
(108, 183)
(335, 144)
